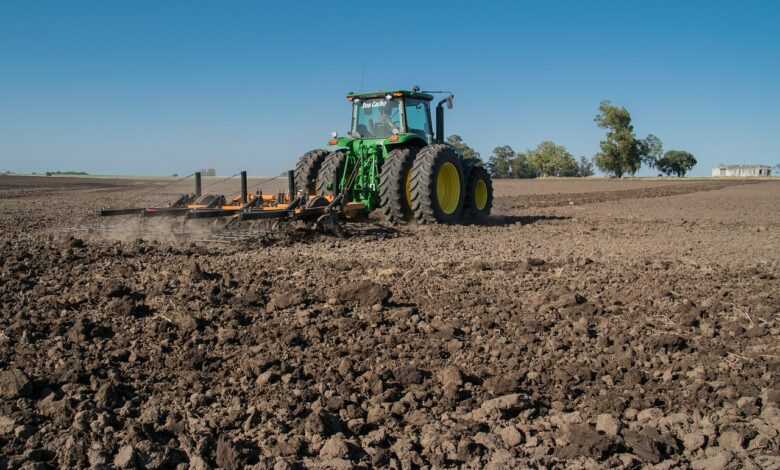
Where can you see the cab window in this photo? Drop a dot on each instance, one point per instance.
(417, 118)
(377, 118)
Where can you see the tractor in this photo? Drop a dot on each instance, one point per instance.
(391, 160)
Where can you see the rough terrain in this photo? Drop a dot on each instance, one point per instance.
(589, 323)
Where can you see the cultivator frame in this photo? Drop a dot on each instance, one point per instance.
(325, 212)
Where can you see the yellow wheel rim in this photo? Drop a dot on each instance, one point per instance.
(408, 187)
(448, 188)
(480, 194)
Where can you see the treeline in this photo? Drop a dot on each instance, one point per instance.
(547, 159)
(621, 153)
(66, 173)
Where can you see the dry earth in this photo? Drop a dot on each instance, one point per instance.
(596, 323)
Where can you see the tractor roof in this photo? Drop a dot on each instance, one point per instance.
(380, 94)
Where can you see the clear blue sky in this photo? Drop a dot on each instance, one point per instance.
(161, 87)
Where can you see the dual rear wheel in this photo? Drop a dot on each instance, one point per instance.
(395, 185)
(437, 190)
(308, 169)
(429, 185)
(479, 191)
(434, 185)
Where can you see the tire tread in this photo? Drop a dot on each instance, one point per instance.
(392, 193)
(307, 169)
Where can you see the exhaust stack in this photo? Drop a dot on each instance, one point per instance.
(440, 117)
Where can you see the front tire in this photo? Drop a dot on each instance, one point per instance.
(437, 185)
(395, 185)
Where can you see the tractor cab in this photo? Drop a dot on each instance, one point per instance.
(382, 115)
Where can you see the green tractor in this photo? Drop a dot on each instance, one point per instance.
(391, 160)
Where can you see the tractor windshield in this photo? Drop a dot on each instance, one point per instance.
(377, 118)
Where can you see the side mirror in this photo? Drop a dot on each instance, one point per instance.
(450, 99)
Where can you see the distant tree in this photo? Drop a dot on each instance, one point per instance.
(621, 152)
(585, 167)
(522, 168)
(499, 164)
(462, 147)
(676, 162)
(653, 150)
(567, 165)
(551, 159)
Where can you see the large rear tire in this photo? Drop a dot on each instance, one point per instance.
(307, 169)
(330, 175)
(437, 185)
(479, 192)
(395, 185)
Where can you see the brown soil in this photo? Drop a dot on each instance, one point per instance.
(635, 325)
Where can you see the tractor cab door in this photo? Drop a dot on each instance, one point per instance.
(418, 118)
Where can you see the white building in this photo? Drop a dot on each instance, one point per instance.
(742, 170)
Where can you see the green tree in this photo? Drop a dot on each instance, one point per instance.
(500, 162)
(551, 159)
(585, 167)
(462, 147)
(653, 150)
(678, 162)
(567, 166)
(522, 168)
(621, 152)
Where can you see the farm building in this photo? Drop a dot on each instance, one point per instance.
(742, 170)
